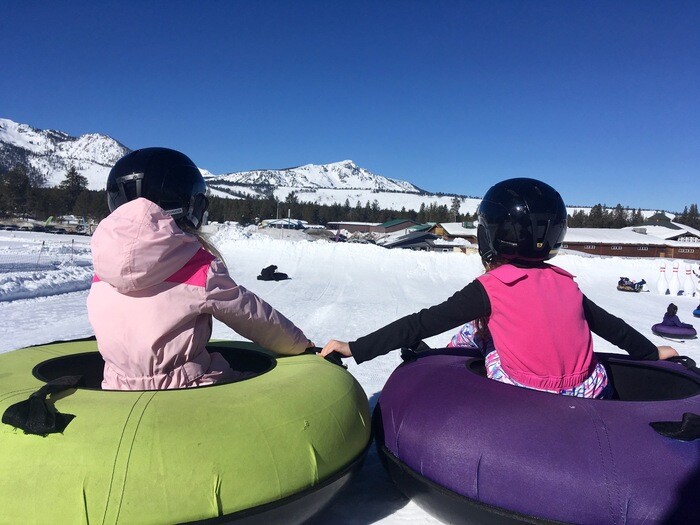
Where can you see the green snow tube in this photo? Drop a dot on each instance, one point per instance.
(273, 448)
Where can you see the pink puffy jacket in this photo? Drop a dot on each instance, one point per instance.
(152, 300)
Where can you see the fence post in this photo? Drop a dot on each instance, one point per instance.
(72, 247)
(40, 250)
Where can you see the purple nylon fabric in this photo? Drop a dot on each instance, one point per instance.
(549, 456)
(673, 331)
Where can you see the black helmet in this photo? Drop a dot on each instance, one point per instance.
(163, 176)
(521, 220)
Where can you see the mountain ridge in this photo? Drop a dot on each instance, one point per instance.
(51, 153)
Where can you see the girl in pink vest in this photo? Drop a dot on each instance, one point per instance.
(158, 285)
(539, 321)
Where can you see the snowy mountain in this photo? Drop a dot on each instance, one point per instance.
(51, 153)
(328, 184)
(338, 175)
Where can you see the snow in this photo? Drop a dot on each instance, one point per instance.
(52, 152)
(610, 235)
(336, 290)
(668, 233)
(345, 174)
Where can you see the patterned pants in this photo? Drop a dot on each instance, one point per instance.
(595, 386)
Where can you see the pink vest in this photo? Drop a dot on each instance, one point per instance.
(538, 326)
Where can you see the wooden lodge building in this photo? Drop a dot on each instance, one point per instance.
(450, 231)
(676, 242)
(658, 237)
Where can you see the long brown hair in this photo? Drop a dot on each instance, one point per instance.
(204, 241)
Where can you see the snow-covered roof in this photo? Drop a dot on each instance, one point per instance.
(392, 237)
(270, 222)
(662, 232)
(610, 236)
(456, 229)
(454, 242)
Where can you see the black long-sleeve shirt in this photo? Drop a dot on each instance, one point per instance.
(472, 302)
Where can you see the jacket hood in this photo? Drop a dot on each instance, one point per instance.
(138, 246)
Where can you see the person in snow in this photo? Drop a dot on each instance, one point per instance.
(158, 283)
(539, 319)
(671, 319)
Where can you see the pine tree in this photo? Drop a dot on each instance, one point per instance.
(619, 217)
(693, 217)
(454, 209)
(14, 188)
(73, 185)
(422, 218)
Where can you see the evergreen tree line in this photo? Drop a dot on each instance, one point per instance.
(601, 216)
(23, 194)
(251, 211)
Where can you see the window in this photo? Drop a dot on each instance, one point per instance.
(564, 245)
(589, 247)
(616, 247)
(686, 250)
(643, 248)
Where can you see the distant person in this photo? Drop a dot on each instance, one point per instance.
(671, 318)
(538, 318)
(158, 283)
(627, 285)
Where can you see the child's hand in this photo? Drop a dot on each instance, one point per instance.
(336, 346)
(667, 351)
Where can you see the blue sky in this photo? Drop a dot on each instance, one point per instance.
(601, 99)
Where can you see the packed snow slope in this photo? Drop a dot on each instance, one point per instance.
(337, 291)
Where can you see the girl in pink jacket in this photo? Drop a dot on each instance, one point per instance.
(157, 287)
(538, 320)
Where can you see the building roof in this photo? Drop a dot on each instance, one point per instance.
(394, 222)
(610, 236)
(627, 236)
(351, 223)
(666, 232)
(406, 238)
(422, 227)
(273, 222)
(457, 229)
(453, 242)
(658, 217)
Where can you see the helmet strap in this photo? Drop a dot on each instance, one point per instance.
(122, 182)
(197, 212)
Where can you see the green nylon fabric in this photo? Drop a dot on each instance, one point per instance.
(178, 455)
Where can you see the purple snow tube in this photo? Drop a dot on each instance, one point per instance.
(674, 331)
(472, 450)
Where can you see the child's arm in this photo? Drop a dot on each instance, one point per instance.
(250, 316)
(333, 345)
(466, 305)
(619, 333)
